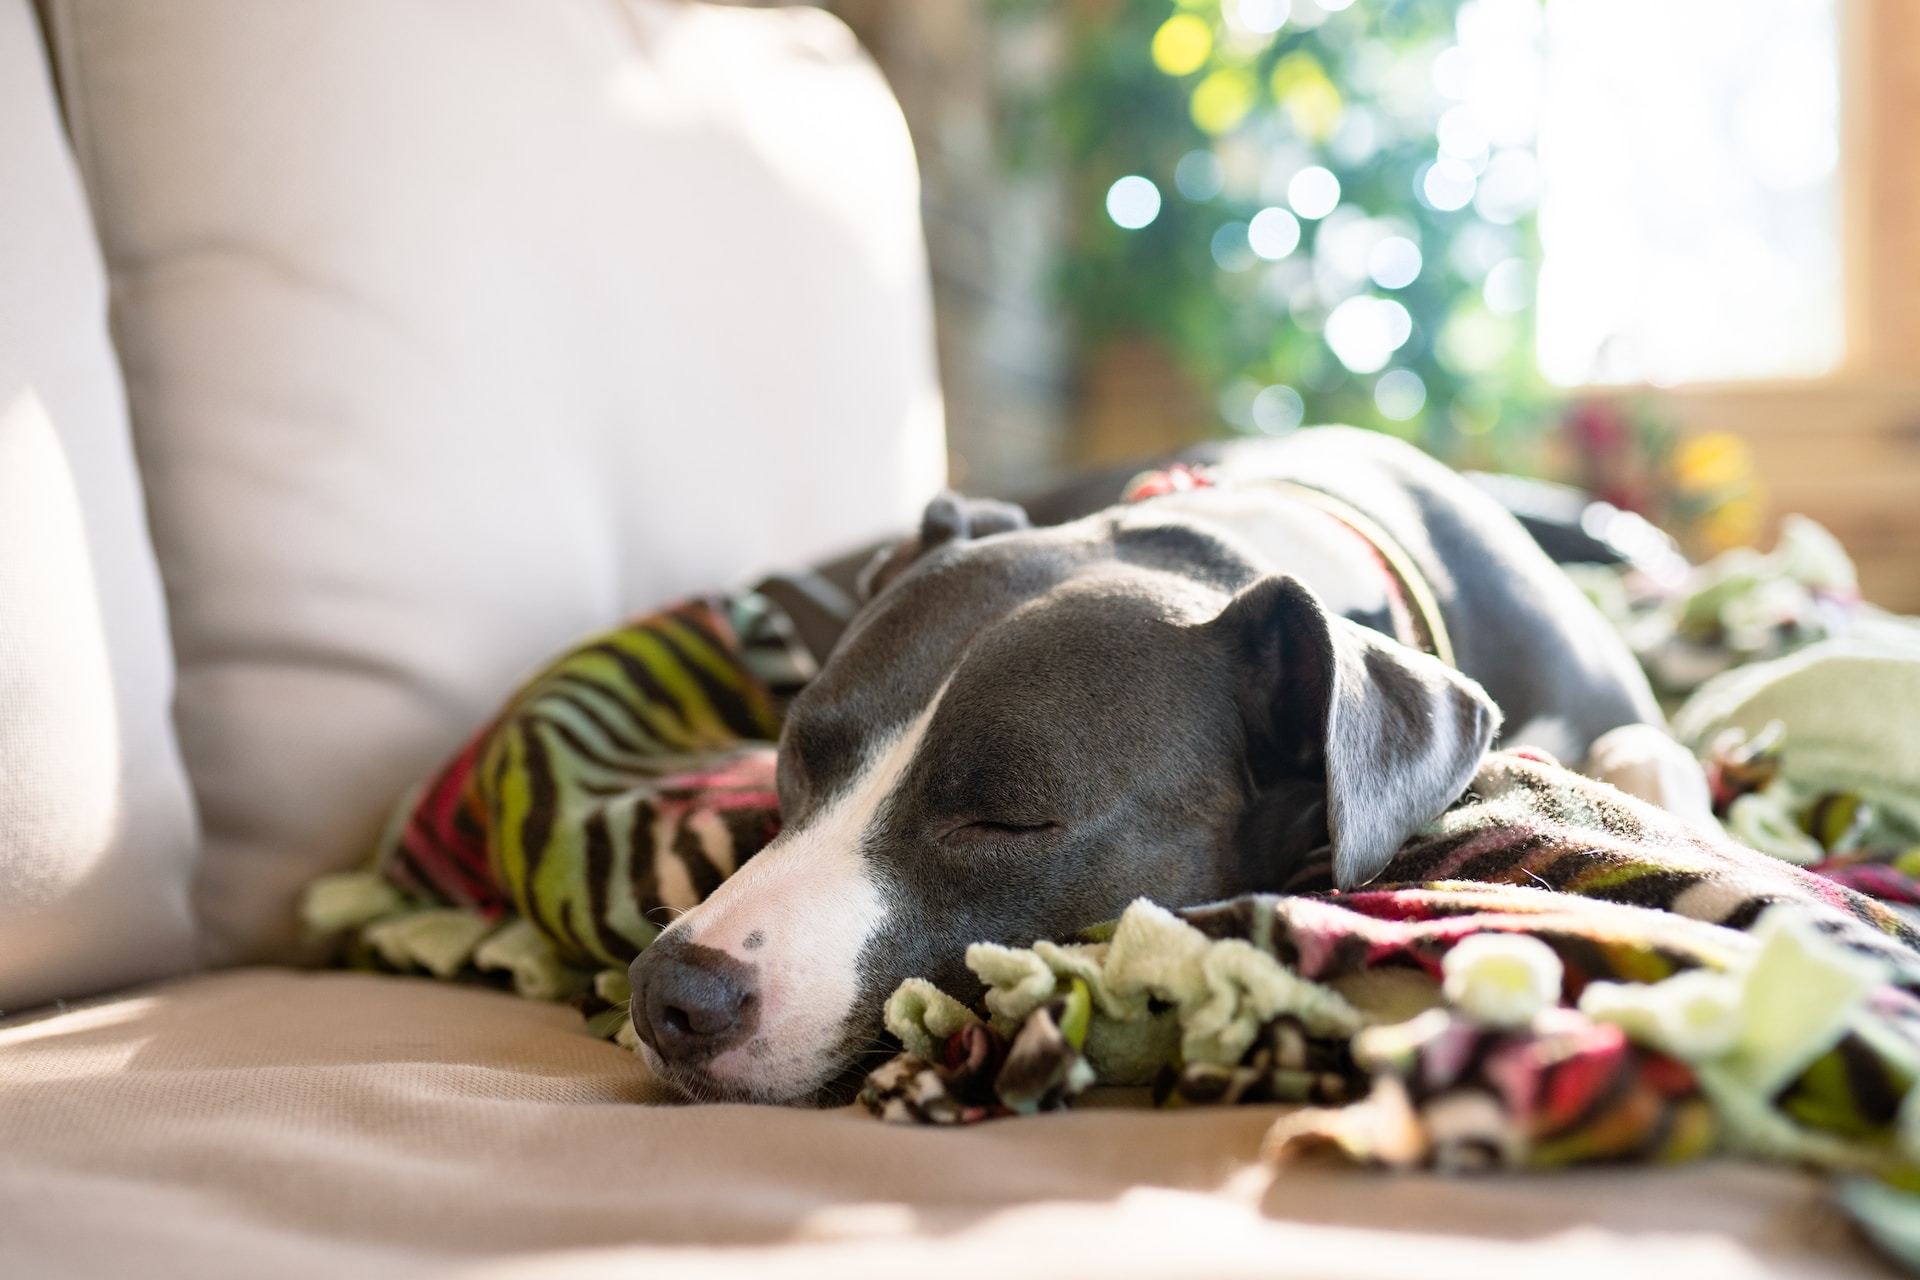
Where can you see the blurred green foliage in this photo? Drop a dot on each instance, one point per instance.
(1354, 91)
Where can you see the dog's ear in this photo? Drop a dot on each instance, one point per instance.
(952, 518)
(948, 518)
(1397, 733)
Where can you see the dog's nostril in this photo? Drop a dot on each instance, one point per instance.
(676, 1020)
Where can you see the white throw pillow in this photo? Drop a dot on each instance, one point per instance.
(457, 329)
(96, 822)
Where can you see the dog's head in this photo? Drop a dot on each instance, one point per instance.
(1024, 731)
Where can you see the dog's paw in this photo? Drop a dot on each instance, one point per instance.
(1643, 760)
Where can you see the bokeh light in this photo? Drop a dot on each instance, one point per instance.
(1199, 176)
(1278, 410)
(1400, 395)
(1394, 263)
(1464, 137)
(1314, 192)
(1182, 44)
(1313, 103)
(1133, 202)
(1509, 287)
(1343, 248)
(1447, 184)
(1231, 252)
(1365, 331)
(1510, 188)
(1222, 100)
(1257, 17)
(1274, 233)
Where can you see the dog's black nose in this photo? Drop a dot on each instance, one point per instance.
(691, 1002)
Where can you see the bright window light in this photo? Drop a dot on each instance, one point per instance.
(1690, 225)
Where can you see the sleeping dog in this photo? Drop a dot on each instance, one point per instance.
(1262, 683)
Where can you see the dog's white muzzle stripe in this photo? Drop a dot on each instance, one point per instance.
(801, 912)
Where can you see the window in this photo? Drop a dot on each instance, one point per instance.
(1691, 227)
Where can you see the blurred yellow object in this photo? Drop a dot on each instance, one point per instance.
(1719, 469)
(1312, 102)
(1222, 100)
(1315, 110)
(1294, 70)
(1182, 44)
(1712, 462)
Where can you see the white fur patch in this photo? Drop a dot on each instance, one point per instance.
(801, 911)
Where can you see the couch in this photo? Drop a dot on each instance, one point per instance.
(355, 355)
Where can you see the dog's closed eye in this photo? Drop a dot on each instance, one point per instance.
(991, 833)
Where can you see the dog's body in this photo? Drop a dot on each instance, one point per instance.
(1185, 698)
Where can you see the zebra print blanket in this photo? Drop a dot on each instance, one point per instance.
(618, 786)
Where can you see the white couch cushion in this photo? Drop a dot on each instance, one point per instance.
(96, 824)
(455, 329)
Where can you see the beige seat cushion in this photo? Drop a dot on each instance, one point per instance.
(458, 329)
(270, 1124)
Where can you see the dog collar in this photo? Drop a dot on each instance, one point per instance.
(1416, 612)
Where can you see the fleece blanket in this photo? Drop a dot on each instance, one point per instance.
(1211, 1005)
(1523, 1030)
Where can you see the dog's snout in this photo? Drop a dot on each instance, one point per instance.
(692, 1002)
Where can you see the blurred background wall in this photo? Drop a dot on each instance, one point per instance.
(993, 221)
